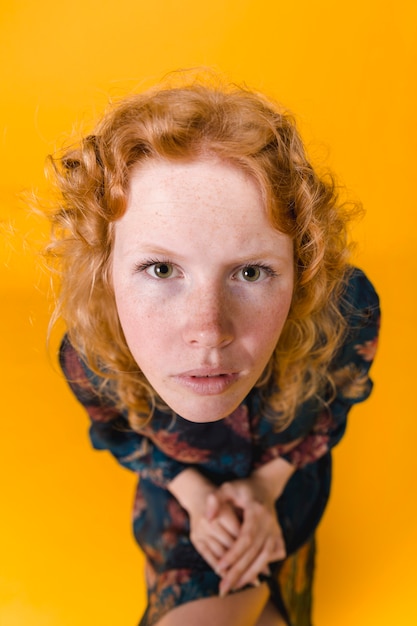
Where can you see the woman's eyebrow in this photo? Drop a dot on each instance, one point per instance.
(248, 256)
(150, 248)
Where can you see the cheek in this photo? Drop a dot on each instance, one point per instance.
(270, 329)
(262, 328)
(274, 320)
(145, 327)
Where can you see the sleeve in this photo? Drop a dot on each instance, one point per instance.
(351, 376)
(109, 428)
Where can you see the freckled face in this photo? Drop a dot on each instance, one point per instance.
(203, 283)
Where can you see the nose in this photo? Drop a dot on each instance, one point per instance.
(209, 319)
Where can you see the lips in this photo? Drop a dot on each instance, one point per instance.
(207, 381)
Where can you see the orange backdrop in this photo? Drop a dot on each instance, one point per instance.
(348, 71)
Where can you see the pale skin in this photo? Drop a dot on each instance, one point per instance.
(196, 265)
(240, 552)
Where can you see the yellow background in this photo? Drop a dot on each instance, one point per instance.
(348, 71)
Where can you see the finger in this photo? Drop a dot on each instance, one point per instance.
(213, 531)
(222, 535)
(232, 493)
(206, 551)
(239, 567)
(248, 543)
(212, 506)
(259, 564)
(216, 548)
(280, 551)
(274, 550)
(229, 520)
(237, 571)
(244, 572)
(251, 554)
(256, 530)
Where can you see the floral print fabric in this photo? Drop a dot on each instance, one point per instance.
(228, 449)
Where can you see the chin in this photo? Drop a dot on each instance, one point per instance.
(205, 411)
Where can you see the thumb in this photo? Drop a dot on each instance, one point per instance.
(212, 506)
(233, 493)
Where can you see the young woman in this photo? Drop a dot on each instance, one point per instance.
(217, 337)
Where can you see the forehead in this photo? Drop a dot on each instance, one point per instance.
(208, 188)
(200, 207)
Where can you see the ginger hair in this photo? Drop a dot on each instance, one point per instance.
(184, 122)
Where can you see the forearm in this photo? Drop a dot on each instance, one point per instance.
(191, 489)
(214, 525)
(260, 540)
(272, 477)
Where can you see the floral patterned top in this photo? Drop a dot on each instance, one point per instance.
(227, 449)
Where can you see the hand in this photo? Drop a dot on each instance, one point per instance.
(214, 524)
(214, 529)
(260, 539)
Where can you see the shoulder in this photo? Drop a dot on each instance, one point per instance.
(350, 367)
(359, 305)
(88, 387)
(71, 363)
(359, 299)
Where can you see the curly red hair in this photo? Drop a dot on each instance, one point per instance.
(248, 130)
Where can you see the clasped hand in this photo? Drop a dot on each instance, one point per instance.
(238, 534)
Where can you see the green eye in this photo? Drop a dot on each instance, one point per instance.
(162, 270)
(157, 269)
(251, 273)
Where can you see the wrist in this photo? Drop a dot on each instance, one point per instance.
(191, 489)
(272, 477)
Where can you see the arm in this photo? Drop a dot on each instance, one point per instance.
(260, 540)
(278, 460)
(214, 525)
(350, 369)
(234, 527)
(109, 428)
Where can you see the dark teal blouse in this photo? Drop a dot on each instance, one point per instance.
(227, 449)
